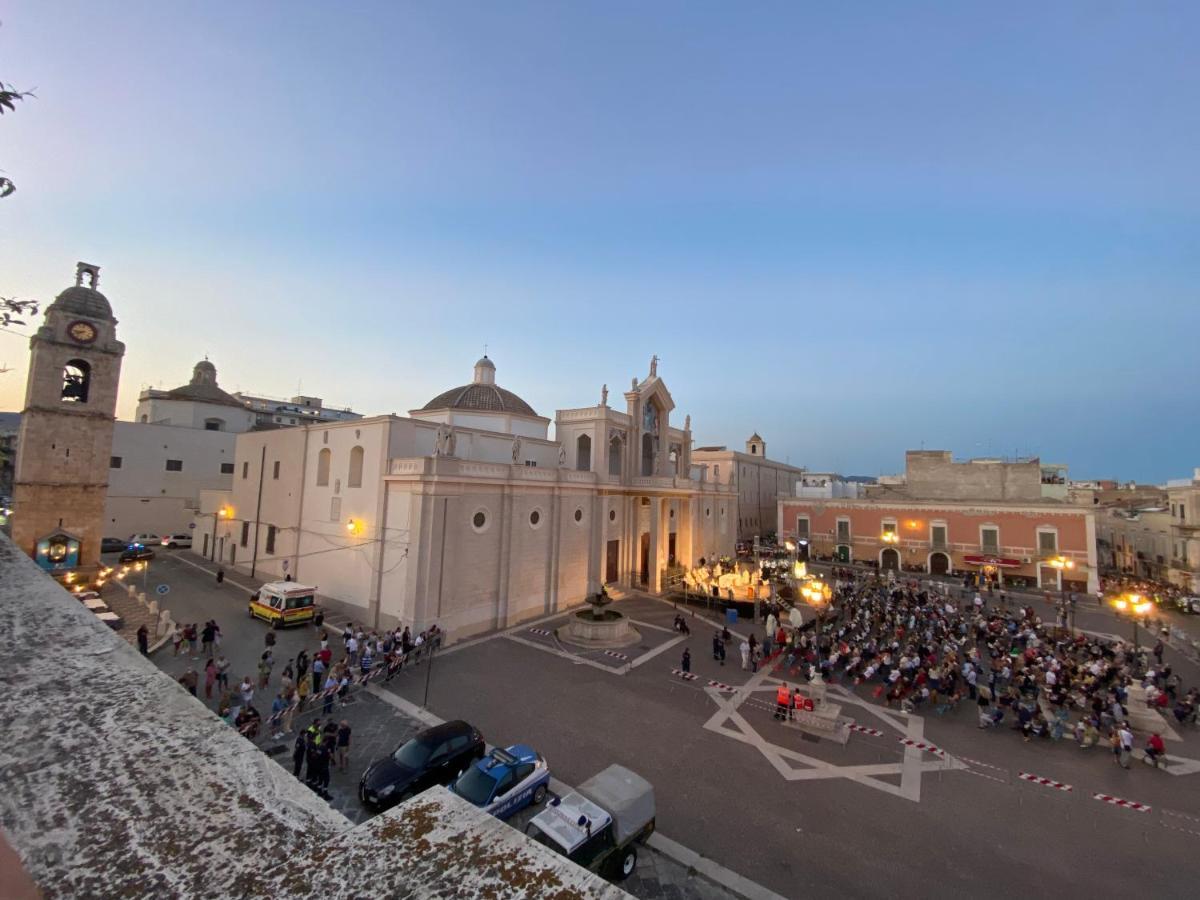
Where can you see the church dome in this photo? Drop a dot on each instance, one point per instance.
(83, 301)
(481, 395)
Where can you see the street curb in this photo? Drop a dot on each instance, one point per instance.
(714, 872)
(658, 842)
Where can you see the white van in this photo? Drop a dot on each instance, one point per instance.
(174, 541)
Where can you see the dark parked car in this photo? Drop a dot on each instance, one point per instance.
(113, 545)
(435, 756)
(136, 552)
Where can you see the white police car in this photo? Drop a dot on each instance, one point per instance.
(505, 781)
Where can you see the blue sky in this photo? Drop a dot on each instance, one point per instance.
(855, 228)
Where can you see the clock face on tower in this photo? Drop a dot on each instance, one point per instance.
(82, 332)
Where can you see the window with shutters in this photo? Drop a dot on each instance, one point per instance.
(989, 539)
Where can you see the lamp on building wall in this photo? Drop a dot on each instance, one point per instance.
(890, 537)
(354, 526)
(1061, 562)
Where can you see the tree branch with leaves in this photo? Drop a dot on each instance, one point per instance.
(9, 98)
(11, 308)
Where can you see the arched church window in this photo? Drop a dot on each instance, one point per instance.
(583, 453)
(354, 479)
(323, 460)
(614, 456)
(77, 380)
(647, 454)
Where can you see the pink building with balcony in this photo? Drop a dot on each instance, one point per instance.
(929, 521)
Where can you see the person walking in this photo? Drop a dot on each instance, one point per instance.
(207, 634)
(303, 689)
(177, 638)
(330, 688)
(686, 662)
(246, 691)
(299, 751)
(210, 678)
(1126, 737)
(745, 650)
(222, 672)
(343, 745)
(783, 701)
(220, 576)
(143, 640)
(265, 662)
(193, 639)
(189, 680)
(318, 673)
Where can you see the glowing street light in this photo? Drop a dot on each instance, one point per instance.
(354, 526)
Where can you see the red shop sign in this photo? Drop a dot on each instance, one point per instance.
(998, 561)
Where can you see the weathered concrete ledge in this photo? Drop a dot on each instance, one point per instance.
(117, 783)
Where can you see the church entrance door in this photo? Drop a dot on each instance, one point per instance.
(644, 555)
(671, 549)
(610, 564)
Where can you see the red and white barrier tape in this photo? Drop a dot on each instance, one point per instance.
(873, 732)
(541, 631)
(921, 745)
(1124, 804)
(686, 676)
(1045, 782)
(615, 655)
(721, 686)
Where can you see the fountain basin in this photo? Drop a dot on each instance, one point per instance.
(604, 631)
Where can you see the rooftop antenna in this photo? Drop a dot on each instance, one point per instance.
(485, 349)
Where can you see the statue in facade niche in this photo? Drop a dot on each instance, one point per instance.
(516, 453)
(441, 445)
(562, 456)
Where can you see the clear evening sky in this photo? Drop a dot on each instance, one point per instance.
(853, 227)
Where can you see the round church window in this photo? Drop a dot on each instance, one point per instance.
(535, 517)
(612, 515)
(479, 520)
(579, 515)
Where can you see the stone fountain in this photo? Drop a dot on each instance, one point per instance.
(597, 627)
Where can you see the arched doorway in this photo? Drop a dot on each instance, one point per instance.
(889, 558)
(939, 564)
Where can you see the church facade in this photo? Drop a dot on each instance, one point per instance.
(465, 513)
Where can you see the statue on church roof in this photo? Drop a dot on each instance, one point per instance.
(687, 422)
(654, 366)
(633, 387)
(604, 395)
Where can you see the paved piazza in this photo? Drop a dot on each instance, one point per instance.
(796, 813)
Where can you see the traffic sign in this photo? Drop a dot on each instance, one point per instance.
(163, 589)
(191, 524)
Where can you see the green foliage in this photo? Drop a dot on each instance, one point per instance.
(9, 98)
(11, 308)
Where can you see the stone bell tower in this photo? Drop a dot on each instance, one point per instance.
(65, 444)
